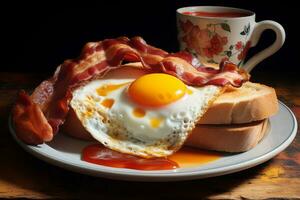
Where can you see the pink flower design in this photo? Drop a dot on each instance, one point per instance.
(216, 46)
(203, 41)
(243, 53)
(239, 45)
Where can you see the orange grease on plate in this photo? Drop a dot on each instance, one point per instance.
(192, 157)
(185, 157)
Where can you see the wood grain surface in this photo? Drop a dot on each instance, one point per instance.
(24, 176)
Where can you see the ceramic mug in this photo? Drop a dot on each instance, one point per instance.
(214, 33)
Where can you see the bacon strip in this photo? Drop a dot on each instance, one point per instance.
(30, 123)
(38, 117)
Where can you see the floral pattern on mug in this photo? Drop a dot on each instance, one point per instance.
(207, 41)
(240, 48)
(244, 51)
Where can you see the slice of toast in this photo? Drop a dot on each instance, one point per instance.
(251, 102)
(228, 138)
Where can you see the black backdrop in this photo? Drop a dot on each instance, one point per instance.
(36, 37)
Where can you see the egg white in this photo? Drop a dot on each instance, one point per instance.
(117, 127)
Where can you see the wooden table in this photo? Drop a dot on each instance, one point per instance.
(24, 176)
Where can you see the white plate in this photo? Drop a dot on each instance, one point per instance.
(64, 152)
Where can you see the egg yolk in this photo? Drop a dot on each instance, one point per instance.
(138, 112)
(106, 89)
(189, 91)
(156, 90)
(108, 103)
(155, 122)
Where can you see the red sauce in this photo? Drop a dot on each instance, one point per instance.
(185, 157)
(216, 14)
(101, 155)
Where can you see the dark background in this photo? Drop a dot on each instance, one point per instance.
(37, 37)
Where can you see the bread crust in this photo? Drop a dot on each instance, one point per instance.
(74, 128)
(251, 102)
(228, 138)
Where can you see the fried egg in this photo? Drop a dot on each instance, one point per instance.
(138, 113)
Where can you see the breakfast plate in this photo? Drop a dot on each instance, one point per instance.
(65, 152)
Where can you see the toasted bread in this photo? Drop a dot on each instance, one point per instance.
(251, 102)
(228, 138)
(74, 128)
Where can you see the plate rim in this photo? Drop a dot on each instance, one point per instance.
(168, 175)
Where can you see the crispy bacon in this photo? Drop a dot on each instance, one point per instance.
(30, 123)
(38, 117)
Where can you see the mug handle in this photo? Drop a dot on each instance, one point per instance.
(258, 29)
